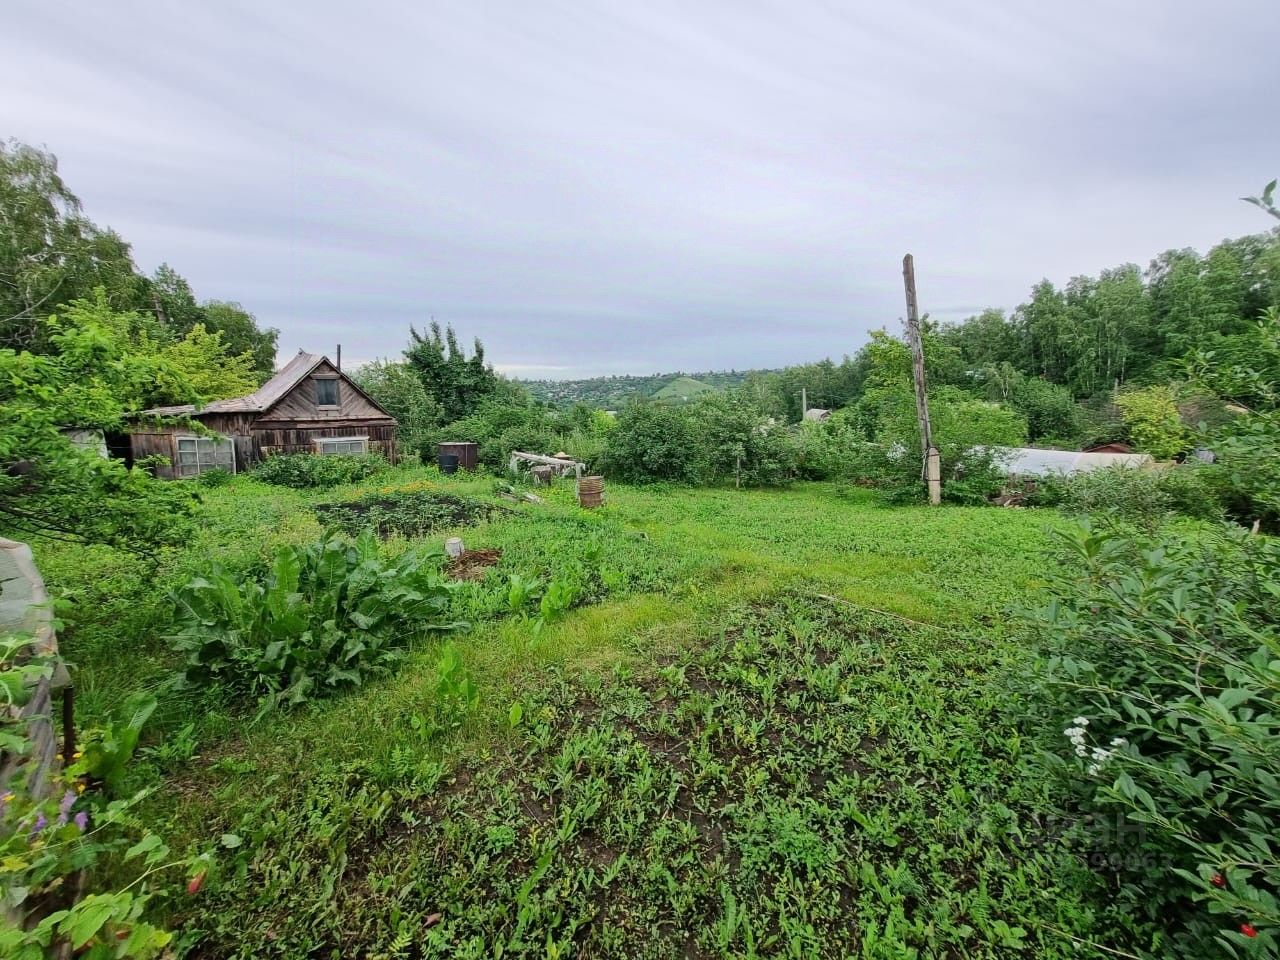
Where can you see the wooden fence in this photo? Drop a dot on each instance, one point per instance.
(24, 608)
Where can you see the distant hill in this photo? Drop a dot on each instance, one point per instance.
(683, 388)
(610, 393)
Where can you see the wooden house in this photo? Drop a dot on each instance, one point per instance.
(309, 406)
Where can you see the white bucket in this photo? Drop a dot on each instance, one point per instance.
(453, 546)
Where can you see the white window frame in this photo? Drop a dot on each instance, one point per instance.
(202, 454)
(322, 442)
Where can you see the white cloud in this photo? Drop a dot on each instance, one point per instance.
(611, 187)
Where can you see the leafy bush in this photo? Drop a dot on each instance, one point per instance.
(324, 617)
(653, 442)
(399, 389)
(830, 449)
(1151, 414)
(1144, 496)
(498, 426)
(1053, 418)
(46, 841)
(965, 429)
(1161, 670)
(216, 477)
(316, 470)
(737, 441)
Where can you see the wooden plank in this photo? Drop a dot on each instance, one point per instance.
(929, 457)
(300, 402)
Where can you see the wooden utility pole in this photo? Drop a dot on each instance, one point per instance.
(931, 461)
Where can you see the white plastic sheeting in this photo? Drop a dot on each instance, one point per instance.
(1029, 462)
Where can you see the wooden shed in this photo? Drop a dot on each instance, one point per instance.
(309, 406)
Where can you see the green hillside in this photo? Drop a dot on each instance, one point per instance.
(683, 388)
(613, 392)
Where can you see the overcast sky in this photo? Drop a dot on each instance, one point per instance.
(639, 187)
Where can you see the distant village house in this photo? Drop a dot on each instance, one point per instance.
(309, 406)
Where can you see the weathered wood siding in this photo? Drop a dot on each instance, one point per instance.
(300, 436)
(155, 441)
(300, 402)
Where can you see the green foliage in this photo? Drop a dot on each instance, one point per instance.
(400, 391)
(1266, 201)
(217, 477)
(1128, 325)
(52, 254)
(206, 369)
(716, 438)
(1053, 418)
(1248, 444)
(498, 426)
(318, 470)
(456, 694)
(456, 382)
(99, 367)
(240, 333)
(322, 618)
(833, 449)
(1143, 496)
(736, 440)
(108, 750)
(653, 442)
(1151, 414)
(1164, 651)
(48, 837)
(404, 512)
(965, 431)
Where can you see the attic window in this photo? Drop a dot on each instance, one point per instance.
(326, 391)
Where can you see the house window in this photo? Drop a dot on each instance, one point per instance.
(199, 454)
(342, 446)
(326, 391)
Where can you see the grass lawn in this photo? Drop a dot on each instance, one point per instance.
(782, 725)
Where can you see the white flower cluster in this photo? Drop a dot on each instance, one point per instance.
(1098, 756)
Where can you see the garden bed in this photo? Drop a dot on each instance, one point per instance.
(411, 514)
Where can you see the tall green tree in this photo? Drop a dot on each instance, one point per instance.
(241, 334)
(398, 388)
(50, 253)
(1042, 322)
(99, 366)
(456, 382)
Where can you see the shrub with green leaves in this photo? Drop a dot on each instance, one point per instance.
(1143, 496)
(1161, 680)
(323, 618)
(653, 442)
(53, 833)
(965, 431)
(315, 470)
(1151, 415)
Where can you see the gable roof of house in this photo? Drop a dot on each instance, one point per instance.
(266, 396)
